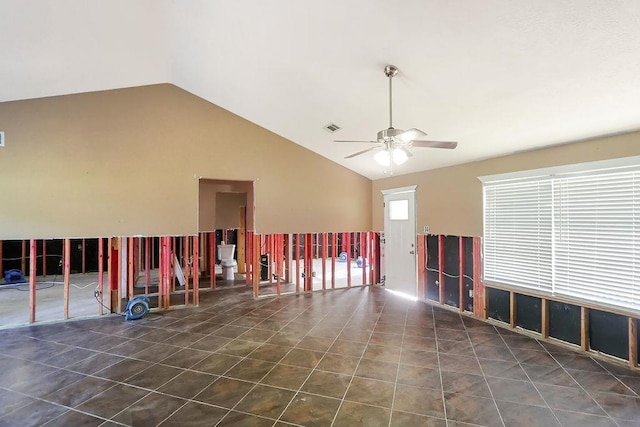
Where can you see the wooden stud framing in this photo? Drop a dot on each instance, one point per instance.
(32, 280)
(441, 289)
(270, 251)
(461, 290)
(256, 265)
(363, 255)
(308, 262)
(44, 257)
(512, 309)
(147, 264)
(371, 238)
(422, 267)
(100, 275)
(196, 269)
(249, 258)
(296, 254)
(212, 260)
(584, 329)
(334, 254)
(545, 318)
(1, 258)
(83, 246)
(287, 258)
(347, 239)
(325, 241)
(23, 257)
(240, 241)
(185, 260)
(67, 271)
(479, 290)
(279, 241)
(633, 342)
(130, 257)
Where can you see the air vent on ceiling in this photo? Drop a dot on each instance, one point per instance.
(332, 127)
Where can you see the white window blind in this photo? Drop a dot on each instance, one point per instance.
(575, 235)
(517, 234)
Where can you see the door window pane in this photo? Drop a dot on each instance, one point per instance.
(399, 210)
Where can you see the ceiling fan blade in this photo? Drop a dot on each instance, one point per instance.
(411, 134)
(360, 152)
(346, 140)
(435, 144)
(409, 153)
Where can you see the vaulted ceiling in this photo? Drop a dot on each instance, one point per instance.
(498, 76)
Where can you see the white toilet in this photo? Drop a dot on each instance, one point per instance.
(229, 265)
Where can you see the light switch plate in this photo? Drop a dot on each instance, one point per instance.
(1, 139)
(426, 229)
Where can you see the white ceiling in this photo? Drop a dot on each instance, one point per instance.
(498, 76)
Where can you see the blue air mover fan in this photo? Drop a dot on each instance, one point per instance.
(137, 308)
(12, 277)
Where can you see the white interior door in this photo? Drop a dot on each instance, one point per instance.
(400, 240)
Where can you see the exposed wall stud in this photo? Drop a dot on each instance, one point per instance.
(462, 303)
(334, 254)
(633, 342)
(130, 261)
(325, 240)
(584, 328)
(23, 257)
(212, 260)
(196, 269)
(185, 260)
(479, 290)
(44, 257)
(422, 267)
(347, 239)
(147, 264)
(545, 318)
(441, 288)
(240, 240)
(512, 309)
(83, 245)
(363, 255)
(296, 254)
(101, 275)
(32, 280)
(67, 272)
(256, 265)
(278, 258)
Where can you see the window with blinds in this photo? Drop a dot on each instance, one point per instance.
(574, 233)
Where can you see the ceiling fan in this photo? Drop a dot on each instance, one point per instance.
(392, 144)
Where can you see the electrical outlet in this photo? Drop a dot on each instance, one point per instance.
(313, 274)
(426, 229)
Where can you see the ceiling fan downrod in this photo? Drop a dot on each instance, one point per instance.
(391, 71)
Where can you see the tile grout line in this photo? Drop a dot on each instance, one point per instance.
(444, 401)
(360, 359)
(395, 385)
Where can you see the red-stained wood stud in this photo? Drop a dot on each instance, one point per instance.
(130, 275)
(67, 272)
(461, 267)
(147, 264)
(287, 258)
(334, 250)
(347, 238)
(101, 275)
(256, 265)
(441, 295)
(196, 269)
(1, 258)
(44, 257)
(32, 280)
(185, 260)
(83, 246)
(325, 243)
(363, 255)
(212, 260)
(296, 254)
(422, 266)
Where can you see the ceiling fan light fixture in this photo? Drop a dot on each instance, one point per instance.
(383, 158)
(399, 156)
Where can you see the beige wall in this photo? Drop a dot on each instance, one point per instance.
(450, 199)
(228, 209)
(219, 203)
(128, 162)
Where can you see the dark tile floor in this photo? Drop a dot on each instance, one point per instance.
(343, 358)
